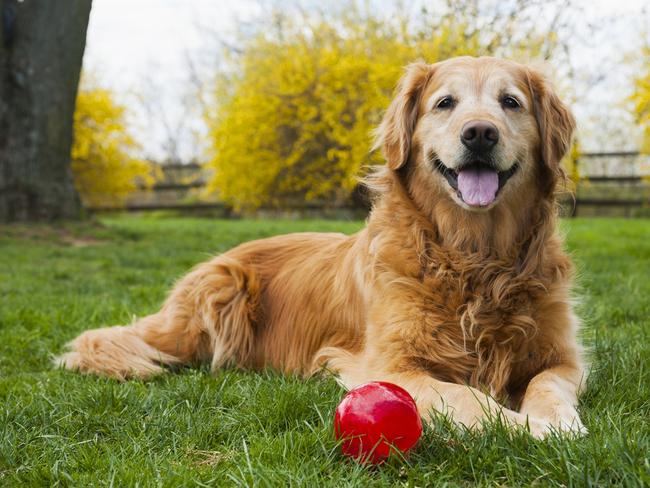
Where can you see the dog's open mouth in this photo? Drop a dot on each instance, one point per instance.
(476, 184)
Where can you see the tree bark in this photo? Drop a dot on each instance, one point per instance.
(41, 50)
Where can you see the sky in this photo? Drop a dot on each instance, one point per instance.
(150, 51)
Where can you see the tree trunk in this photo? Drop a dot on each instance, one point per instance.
(41, 49)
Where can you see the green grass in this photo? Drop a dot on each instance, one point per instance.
(240, 428)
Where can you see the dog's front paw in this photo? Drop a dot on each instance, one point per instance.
(571, 426)
(539, 429)
(565, 422)
(561, 418)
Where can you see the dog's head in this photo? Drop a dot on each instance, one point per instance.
(477, 131)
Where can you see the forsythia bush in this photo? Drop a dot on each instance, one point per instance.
(104, 168)
(295, 107)
(641, 101)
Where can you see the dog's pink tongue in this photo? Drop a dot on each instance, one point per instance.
(478, 186)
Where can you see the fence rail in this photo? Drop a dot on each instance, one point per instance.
(181, 187)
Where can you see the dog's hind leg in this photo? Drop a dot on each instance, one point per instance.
(209, 316)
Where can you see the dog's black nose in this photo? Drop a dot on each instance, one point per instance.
(479, 135)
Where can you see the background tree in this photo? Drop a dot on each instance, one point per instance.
(103, 161)
(295, 104)
(41, 49)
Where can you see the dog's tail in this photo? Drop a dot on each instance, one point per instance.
(209, 316)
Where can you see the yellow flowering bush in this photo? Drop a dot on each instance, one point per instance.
(641, 101)
(105, 170)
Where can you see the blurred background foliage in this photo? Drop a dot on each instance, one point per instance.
(640, 99)
(104, 162)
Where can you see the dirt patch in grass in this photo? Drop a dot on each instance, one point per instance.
(73, 235)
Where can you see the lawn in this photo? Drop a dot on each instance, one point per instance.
(235, 428)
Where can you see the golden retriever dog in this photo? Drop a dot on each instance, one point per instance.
(458, 288)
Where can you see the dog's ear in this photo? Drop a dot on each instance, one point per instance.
(395, 132)
(555, 122)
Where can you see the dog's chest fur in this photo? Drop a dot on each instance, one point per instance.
(480, 320)
(471, 320)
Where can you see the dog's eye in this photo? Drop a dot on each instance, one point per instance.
(446, 102)
(509, 101)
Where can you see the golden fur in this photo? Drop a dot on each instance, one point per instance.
(468, 309)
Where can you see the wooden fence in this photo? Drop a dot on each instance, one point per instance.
(611, 183)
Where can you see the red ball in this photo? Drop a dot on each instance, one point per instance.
(374, 417)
